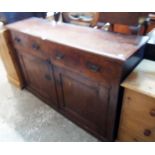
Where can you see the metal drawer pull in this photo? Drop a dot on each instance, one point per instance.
(18, 40)
(47, 77)
(93, 67)
(59, 56)
(152, 112)
(35, 46)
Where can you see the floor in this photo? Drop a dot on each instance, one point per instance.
(23, 117)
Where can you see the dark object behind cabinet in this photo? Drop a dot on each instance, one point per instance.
(150, 47)
(82, 78)
(150, 52)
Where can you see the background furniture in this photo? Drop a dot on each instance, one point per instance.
(78, 74)
(81, 18)
(125, 22)
(8, 59)
(122, 22)
(137, 121)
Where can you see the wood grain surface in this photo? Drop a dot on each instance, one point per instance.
(117, 46)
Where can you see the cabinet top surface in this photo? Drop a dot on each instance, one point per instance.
(142, 78)
(113, 45)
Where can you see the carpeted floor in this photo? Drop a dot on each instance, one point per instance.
(23, 117)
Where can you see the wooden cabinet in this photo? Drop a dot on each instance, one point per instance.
(137, 121)
(84, 100)
(39, 77)
(78, 69)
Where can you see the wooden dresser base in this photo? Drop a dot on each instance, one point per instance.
(137, 121)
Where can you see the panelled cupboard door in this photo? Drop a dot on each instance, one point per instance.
(83, 100)
(39, 77)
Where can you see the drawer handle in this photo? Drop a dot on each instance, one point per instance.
(59, 56)
(17, 40)
(93, 67)
(152, 112)
(147, 132)
(35, 46)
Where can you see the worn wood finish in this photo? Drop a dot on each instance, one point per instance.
(33, 45)
(137, 118)
(83, 99)
(90, 65)
(86, 67)
(126, 29)
(90, 40)
(142, 78)
(125, 22)
(39, 76)
(124, 18)
(8, 59)
(137, 121)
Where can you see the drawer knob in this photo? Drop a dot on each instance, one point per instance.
(35, 46)
(59, 56)
(152, 112)
(147, 132)
(93, 67)
(17, 40)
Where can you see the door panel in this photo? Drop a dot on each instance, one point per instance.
(39, 77)
(83, 99)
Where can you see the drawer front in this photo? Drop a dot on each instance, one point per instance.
(129, 136)
(139, 133)
(28, 43)
(139, 105)
(138, 116)
(80, 61)
(90, 65)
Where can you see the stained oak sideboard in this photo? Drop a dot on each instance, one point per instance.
(76, 70)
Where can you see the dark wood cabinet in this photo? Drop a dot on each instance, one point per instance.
(39, 77)
(82, 99)
(76, 69)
